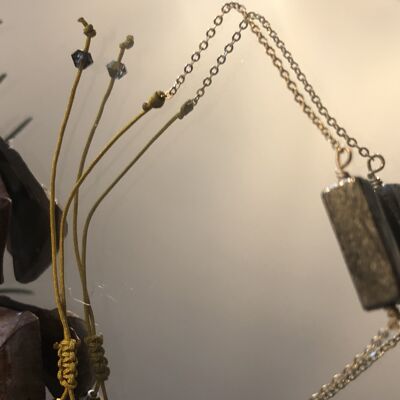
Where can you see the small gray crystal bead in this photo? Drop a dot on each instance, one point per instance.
(116, 69)
(82, 59)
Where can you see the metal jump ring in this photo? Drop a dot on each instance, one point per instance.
(373, 159)
(342, 163)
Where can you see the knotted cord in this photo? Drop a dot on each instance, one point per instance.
(67, 365)
(97, 357)
(66, 348)
(156, 101)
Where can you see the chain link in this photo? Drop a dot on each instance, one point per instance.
(380, 344)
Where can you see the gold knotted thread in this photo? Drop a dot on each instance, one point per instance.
(128, 43)
(88, 29)
(67, 363)
(97, 358)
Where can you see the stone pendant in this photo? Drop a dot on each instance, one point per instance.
(367, 241)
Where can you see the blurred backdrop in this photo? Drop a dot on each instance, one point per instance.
(213, 268)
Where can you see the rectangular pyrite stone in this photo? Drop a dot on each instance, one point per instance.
(366, 240)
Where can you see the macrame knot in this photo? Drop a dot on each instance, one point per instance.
(67, 363)
(97, 359)
(155, 101)
(88, 29)
(128, 43)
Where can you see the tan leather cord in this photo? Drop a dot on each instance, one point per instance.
(89, 217)
(61, 269)
(96, 351)
(128, 43)
(156, 101)
(66, 348)
(95, 342)
(87, 308)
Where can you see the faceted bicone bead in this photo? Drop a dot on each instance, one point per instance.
(116, 69)
(82, 59)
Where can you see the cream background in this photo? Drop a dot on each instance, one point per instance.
(214, 271)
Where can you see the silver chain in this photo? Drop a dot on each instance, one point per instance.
(291, 85)
(214, 70)
(249, 18)
(384, 341)
(299, 98)
(195, 57)
(323, 111)
(331, 121)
